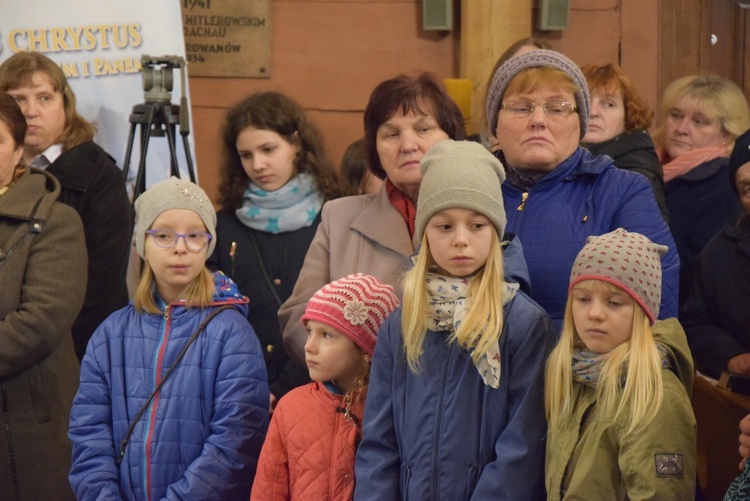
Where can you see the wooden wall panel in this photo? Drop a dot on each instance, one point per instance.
(488, 28)
(328, 55)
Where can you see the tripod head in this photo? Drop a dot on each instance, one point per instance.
(158, 117)
(158, 79)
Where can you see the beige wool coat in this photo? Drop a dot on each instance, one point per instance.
(42, 284)
(359, 234)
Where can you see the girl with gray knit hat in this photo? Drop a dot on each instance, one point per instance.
(455, 406)
(557, 193)
(621, 425)
(173, 398)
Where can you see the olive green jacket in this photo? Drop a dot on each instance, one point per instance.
(590, 459)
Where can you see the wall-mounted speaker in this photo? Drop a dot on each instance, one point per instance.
(553, 14)
(437, 15)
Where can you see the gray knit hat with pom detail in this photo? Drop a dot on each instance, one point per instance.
(629, 261)
(537, 59)
(461, 174)
(356, 305)
(174, 193)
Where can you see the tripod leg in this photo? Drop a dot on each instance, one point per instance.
(140, 183)
(170, 130)
(129, 150)
(189, 158)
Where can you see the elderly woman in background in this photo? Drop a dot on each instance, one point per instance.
(41, 291)
(618, 123)
(556, 193)
(704, 115)
(374, 234)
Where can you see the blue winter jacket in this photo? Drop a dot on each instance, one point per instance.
(444, 434)
(584, 196)
(201, 436)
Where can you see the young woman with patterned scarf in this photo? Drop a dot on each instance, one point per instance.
(275, 178)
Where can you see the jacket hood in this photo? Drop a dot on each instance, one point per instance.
(514, 264)
(228, 293)
(34, 192)
(670, 335)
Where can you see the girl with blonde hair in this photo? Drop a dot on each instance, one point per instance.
(173, 399)
(618, 384)
(455, 403)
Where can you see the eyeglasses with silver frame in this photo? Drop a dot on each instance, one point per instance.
(553, 109)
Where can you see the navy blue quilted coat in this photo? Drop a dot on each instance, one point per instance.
(445, 435)
(202, 434)
(584, 196)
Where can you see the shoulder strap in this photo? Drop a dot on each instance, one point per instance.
(263, 270)
(169, 372)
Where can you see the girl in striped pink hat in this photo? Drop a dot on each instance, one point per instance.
(315, 430)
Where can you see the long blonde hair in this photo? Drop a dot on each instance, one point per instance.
(483, 322)
(637, 359)
(199, 294)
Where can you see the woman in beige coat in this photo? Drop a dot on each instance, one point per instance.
(42, 259)
(374, 234)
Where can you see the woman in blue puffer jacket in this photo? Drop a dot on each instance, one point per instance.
(169, 406)
(557, 194)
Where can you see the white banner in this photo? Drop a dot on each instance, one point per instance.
(99, 44)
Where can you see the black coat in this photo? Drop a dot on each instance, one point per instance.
(282, 255)
(700, 203)
(635, 152)
(95, 187)
(716, 316)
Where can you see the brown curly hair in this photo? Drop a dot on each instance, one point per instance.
(610, 78)
(278, 113)
(19, 70)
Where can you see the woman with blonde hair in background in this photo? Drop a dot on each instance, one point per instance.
(704, 116)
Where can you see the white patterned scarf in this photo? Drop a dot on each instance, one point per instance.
(448, 307)
(293, 206)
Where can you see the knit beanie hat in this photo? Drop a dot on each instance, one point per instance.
(461, 174)
(740, 156)
(173, 193)
(537, 59)
(357, 305)
(629, 261)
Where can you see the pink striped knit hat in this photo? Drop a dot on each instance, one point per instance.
(357, 305)
(630, 261)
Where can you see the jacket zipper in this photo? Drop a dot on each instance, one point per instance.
(232, 252)
(11, 449)
(524, 197)
(151, 422)
(438, 424)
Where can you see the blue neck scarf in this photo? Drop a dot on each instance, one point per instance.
(293, 206)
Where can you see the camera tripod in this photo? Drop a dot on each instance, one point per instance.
(158, 117)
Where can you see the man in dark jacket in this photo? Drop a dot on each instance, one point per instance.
(61, 141)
